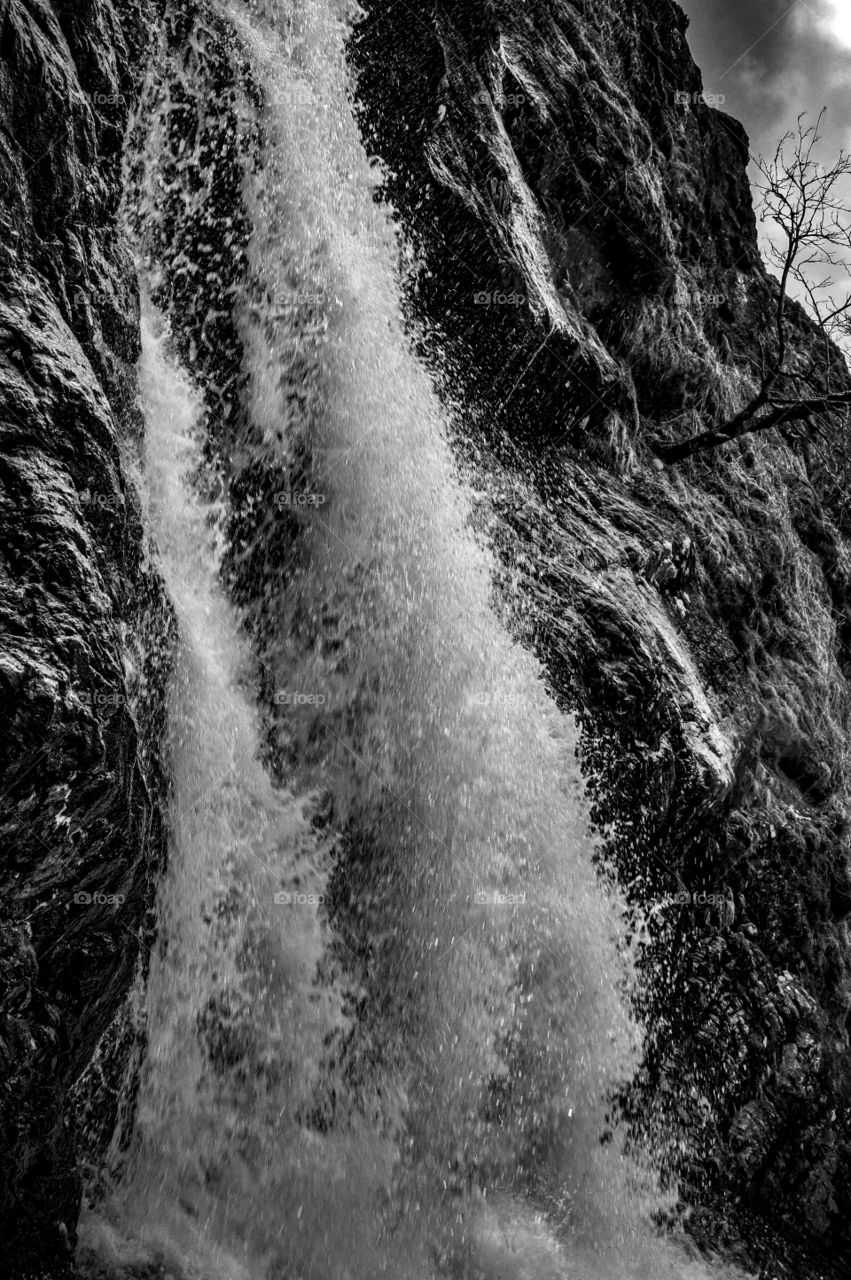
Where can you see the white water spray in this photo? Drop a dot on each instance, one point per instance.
(483, 1024)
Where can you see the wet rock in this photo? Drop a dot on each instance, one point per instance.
(671, 566)
(795, 1002)
(85, 628)
(799, 1065)
(840, 894)
(693, 617)
(696, 618)
(751, 1136)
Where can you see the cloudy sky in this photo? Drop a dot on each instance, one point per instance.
(773, 59)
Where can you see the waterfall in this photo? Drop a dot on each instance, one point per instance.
(386, 1004)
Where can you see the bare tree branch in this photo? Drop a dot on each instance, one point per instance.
(807, 203)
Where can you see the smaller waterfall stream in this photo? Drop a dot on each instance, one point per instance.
(227, 983)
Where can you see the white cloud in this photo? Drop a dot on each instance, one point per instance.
(837, 20)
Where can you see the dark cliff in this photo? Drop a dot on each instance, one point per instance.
(85, 627)
(581, 264)
(581, 269)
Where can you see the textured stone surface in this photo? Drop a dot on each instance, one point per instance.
(585, 277)
(85, 630)
(695, 619)
(558, 154)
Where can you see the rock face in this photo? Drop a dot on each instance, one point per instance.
(85, 628)
(584, 275)
(584, 268)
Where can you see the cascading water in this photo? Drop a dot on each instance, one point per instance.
(385, 1005)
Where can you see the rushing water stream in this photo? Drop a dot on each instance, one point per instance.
(411, 1084)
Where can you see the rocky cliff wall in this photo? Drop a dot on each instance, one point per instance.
(582, 272)
(582, 269)
(85, 628)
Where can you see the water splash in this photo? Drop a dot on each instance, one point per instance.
(386, 1005)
